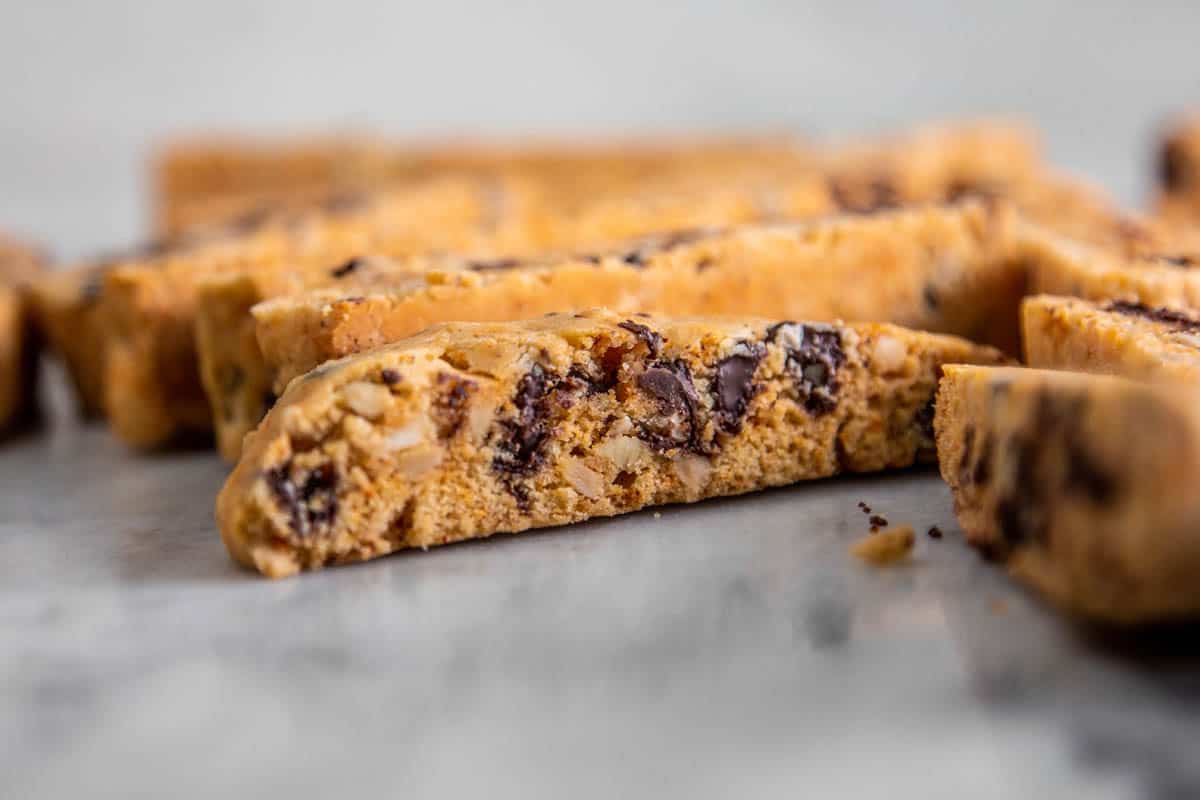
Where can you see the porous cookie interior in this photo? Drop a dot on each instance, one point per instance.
(468, 430)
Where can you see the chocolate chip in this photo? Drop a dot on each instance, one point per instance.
(814, 355)
(934, 532)
(704, 264)
(877, 521)
(1174, 260)
(1179, 320)
(494, 265)
(923, 419)
(650, 338)
(670, 384)
(876, 194)
(1174, 172)
(347, 268)
(734, 386)
(982, 473)
(449, 408)
(664, 243)
(312, 502)
(519, 442)
(1087, 477)
(863, 507)
(390, 377)
(268, 400)
(962, 189)
(635, 259)
(930, 296)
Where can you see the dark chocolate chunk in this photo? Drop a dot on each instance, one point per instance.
(877, 521)
(734, 387)
(1174, 260)
(311, 502)
(1174, 172)
(670, 384)
(1181, 320)
(983, 464)
(853, 196)
(930, 296)
(494, 265)
(347, 268)
(449, 408)
(390, 377)
(923, 419)
(652, 339)
(269, 399)
(814, 355)
(518, 443)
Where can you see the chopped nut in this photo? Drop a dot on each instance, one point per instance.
(887, 547)
(416, 461)
(583, 478)
(410, 435)
(623, 451)
(368, 400)
(888, 354)
(693, 471)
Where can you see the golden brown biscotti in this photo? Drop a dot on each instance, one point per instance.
(19, 342)
(1152, 266)
(1116, 337)
(206, 181)
(467, 430)
(1179, 172)
(241, 387)
(939, 268)
(66, 307)
(153, 391)
(1083, 485)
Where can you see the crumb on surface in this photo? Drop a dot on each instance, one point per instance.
(878, 521)
(934, 532)
(863, 507)
(887, 547)
(658, 515)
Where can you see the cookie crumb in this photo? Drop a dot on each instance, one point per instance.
(878, 521)
(885, 548)
(863, 507)
(934, 532)
(658, 515)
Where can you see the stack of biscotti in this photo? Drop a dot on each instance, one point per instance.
(1179, 172)
(19, 264)
(205, 181)
(467, 430)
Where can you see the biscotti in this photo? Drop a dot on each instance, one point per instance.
(467, 430)
(1083, 485)
(153, 392)
(1114, 337)
(18, 341)
(939, 268)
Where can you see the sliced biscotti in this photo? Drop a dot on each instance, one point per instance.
(65, 305)
(18, 341)
(1084, 485)
(153, 391)
(1147, 264)
(940, 268)
(1113, 337)
(466, 430)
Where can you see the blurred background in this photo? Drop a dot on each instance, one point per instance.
(88, 88)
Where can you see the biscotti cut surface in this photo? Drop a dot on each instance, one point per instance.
(18, 343)
(1084, 485)
(937, 268)
(466, 430)
(1114, 337)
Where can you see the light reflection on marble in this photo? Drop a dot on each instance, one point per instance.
(730, 649)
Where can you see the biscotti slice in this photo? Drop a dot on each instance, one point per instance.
(1179, 172)
(1084, 485)
(19, 264)
(939, 268)
(1152, 266)
(466, 430)
(153, 392)
(239, 384)
(66, 308)
(1115, 337)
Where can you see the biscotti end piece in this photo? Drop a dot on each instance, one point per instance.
(467, 430)
(1084, 485)
(19, 264)
(1116, 337)
(1178, 170)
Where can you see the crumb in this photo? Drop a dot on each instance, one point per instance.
(934, 532)
(658, 515)
(863, 507)
(878, 521)
(885, 548)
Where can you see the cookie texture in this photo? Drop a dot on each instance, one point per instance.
(1116, 337)
(467, 430)
(1083, 485)
(19, 342)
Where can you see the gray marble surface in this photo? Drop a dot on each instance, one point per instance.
(728, 649)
